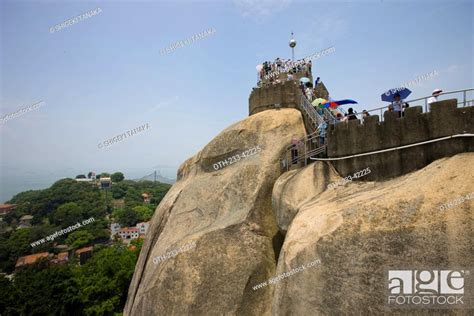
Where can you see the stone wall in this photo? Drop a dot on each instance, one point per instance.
(353, 137)
(321, 91)
(285, 94)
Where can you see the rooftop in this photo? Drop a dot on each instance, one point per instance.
(129, 229)
(82, 250)
(7, 206)
(63, 255)
(31, 258)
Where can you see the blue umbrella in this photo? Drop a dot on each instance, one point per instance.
(389, 96)
(305, 80)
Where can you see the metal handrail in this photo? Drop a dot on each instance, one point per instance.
(426, 101)
(309, 140)
(309, 145)
(310, 111)
(329, 117)
(306, 138)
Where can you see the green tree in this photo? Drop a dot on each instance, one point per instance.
(128, 217)
(42, 203)
(117, 214)
(117, 177)
(105, 278)
(99, 287)
(67, 214)
(6, 302)
(38, 290)
(134, 195)
(79, 239)
(81, 176)
(144, 212)
(17, 245)
(103, 175)
(98, 229)
(119, 190)
(138, 243)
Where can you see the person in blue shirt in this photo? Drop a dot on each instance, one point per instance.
(397, 104)
(322, 133)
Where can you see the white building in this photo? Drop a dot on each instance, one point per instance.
(143, 227)
(84, 180)
(114, 229)
(129, 233)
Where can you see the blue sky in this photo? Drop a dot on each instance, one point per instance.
(104, 75)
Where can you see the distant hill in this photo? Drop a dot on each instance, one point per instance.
(159, 178)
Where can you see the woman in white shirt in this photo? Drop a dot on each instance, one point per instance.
(435, 95)
(309, 93)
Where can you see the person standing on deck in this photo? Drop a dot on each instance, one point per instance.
(434, 97)
(397, 105)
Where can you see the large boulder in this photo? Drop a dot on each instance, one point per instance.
(296, 188)
(226, 214)
(344, 240)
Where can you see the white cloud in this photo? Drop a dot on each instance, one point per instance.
(260, 8)
(453, 68)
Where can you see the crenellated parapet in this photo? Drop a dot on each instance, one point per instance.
(284, 95)
(355, 137)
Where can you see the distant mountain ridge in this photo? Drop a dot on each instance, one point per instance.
(159, 178)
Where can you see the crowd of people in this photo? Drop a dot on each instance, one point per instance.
(269, 72)
(398, 105)
(309, 90)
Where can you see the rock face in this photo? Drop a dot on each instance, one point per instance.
(228, 214)
(360, 230)
(296, 188)
(247, 224)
